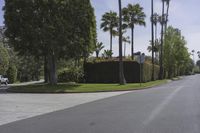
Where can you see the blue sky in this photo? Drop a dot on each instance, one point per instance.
(183, 15)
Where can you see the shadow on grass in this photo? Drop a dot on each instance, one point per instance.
(44, 88)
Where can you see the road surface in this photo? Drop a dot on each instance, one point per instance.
(171, 108)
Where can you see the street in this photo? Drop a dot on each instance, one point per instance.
(170, 108)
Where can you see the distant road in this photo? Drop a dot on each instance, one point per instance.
(171, 108)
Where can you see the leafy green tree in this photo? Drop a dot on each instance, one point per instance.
(50, 29)
(12, 73)
(109, 24)
(99, 46)
(4, 59)
(133, 15)
(29, 68)
(1, 33)
(176, 55)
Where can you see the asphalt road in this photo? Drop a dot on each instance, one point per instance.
(171, 108)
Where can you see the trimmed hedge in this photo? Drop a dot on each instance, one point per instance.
(108, 72)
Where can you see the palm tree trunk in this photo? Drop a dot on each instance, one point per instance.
(152, 40)
(46, 70)
(125, 50)
(97, 54)
(132, 42)
(122, 80)
(111, 40)
(52, 67)
(156, 31)
(162, 34)
(156, 43)
(167, 17)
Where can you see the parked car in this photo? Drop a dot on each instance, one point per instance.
(3, 80)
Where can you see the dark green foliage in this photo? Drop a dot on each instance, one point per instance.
(29, 69)
(109, 24)
(107, 54)
(98, 47)
(12, 73)
(53, 29)
(107, 72)
(147, 72)
(4, 59)
(133, 15)
(71, 75)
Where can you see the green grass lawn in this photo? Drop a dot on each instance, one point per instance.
(75, 88)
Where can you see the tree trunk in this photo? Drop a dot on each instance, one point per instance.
(111, 39)
(167, 18)
(125, 50)
(132, 42)
(152, 40)
(46, 70)
(162, 34)
(52, 66)
(97, 54)
(122, 80)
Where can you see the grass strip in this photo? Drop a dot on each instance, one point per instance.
(82, 88)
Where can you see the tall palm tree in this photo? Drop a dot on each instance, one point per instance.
(126, 40)
(156, 49)
(167, 12)
(122, 80)
(133, 15)
(99, 46)
(152, 38)
(155, 22)
(163, 21)
(109, 24)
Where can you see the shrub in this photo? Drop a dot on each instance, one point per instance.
(4, 59)
(12, 74)
(147, 72)
(70, 75)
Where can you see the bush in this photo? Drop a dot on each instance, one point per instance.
(12, 74)
(108, 72)
(70, 75)
(147, 72)
(4, 59)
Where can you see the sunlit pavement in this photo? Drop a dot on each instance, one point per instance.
(15, 107)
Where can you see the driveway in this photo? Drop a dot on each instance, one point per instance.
(16, 106)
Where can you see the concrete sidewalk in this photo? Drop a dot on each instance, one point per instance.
(14, 107)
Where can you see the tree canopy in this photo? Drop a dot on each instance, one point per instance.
(176, 57)
(51, 28)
